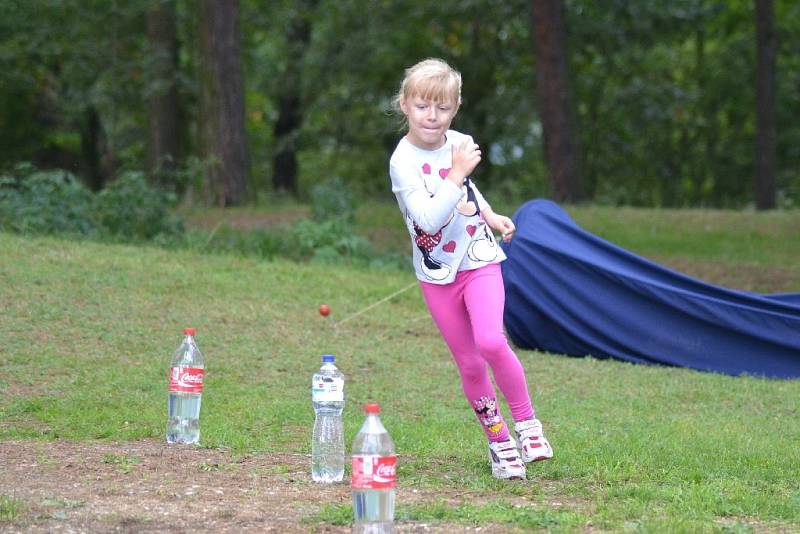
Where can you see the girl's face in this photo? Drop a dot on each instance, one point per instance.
(428, 121)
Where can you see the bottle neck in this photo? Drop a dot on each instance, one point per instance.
(373, 424)
(188, 353)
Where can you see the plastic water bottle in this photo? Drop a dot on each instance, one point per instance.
(373, 476)
(327, 442)
(185, 391)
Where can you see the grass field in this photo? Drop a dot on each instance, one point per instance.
(87, 330)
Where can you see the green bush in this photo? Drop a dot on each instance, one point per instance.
(328, 240)
(56, 202)
(303, 240)
(44, 202)
(129, 209)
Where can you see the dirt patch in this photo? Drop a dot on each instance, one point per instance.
(147, 486)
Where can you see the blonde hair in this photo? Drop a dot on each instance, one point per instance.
(431, 79)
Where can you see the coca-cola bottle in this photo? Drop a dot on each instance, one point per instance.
(185, 391)
(374, 471)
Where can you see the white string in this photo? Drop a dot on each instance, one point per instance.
(359, 312)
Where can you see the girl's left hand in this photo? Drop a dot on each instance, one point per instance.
(502, 224)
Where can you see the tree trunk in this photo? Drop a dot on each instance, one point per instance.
(92, 148)
(766, 148)
(290, 113)
(554, 99)
(284, 164)
(290, 107)
(475, 76)
(222, 104)
(162, 147)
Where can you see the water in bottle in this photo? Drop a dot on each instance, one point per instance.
(373, 476)
(185, 391)
(327, 443)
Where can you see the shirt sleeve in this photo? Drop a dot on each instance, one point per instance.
(429, 212)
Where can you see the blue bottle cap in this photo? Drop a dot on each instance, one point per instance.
(328, 358)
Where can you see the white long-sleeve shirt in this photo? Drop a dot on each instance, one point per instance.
(447, 230)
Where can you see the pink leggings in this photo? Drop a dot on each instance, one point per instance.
(469, 315)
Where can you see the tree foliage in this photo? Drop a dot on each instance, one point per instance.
(663, 90)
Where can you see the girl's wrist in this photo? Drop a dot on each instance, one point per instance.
(456, 178)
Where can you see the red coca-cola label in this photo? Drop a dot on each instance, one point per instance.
(371, 471)
(187, 379)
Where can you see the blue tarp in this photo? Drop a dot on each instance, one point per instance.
(571, 292)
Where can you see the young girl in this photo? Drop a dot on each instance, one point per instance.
(457, 260)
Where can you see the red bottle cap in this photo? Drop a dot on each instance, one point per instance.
(188, 331)
(372, 408)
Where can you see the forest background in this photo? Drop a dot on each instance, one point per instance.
(661, 103)
(219, 125)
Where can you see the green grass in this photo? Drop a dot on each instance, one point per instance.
(767, 239)
(123, 462)
(10, 508)
(87, 330)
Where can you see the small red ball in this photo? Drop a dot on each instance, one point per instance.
(324, 310)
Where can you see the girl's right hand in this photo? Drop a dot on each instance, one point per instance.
(465, 158)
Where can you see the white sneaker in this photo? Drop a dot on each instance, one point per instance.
(505, 460)
(533, 445)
